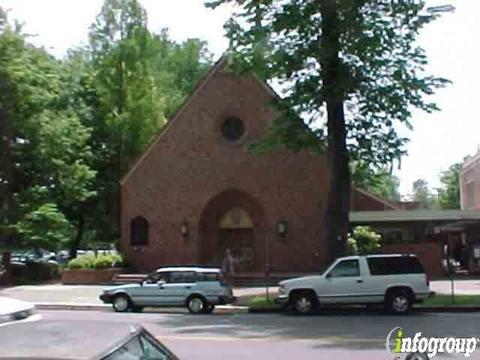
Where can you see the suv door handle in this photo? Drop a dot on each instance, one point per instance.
(188, 287)
(360, 281)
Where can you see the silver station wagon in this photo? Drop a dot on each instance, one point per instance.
(197, 288)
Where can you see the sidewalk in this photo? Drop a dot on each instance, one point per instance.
(85, 297)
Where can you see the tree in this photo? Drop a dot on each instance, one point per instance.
(45, 141)
(355, 60)
(422, 194)
(449, 192)
(138, 80)
(45, 227)
(381, 182)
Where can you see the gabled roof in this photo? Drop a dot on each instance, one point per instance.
(196, 90)
(359, 217)
(377, 198)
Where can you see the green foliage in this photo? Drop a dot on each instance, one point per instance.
(45, 227)
(101, 261)
(449, 192)
(380, 182)
(70, 128)
(363, 241)
(381, 68)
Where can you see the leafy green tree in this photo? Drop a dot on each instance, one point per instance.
(45, 227)
(178, 67)
(356, 62)
(129, 110)
(139, 79)
(449, 192)
(381, 182)
(46, 143)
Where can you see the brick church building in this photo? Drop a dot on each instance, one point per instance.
(197, 190)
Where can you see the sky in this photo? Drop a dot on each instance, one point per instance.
(452, 44)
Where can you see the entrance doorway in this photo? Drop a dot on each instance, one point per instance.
(236, 233)
(233, 220)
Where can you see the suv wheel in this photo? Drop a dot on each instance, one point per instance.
(399, 302)
(196, 305)
(121, 303)
(304, 303)
(209, 309)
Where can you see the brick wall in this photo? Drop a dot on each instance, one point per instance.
(470, 184)
(428, 252)
(191, 165)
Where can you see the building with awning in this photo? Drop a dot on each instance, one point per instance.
(434, 235)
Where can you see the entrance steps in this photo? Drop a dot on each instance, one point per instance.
(120, 279)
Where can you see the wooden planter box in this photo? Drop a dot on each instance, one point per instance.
(89, 276)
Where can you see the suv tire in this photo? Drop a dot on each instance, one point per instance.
(121, 303)
(398, 302)
(196, 304)
(304, 302)
(209, 309)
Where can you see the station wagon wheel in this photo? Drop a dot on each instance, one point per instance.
(196, 304)
(121, 303)
(304, 303)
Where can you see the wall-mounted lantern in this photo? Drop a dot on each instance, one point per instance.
(184, 229)
(282, 228)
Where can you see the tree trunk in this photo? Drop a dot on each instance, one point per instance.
(338, 201)
(78, 238)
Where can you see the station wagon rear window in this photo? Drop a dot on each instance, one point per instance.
(208, 276)
(395, 265)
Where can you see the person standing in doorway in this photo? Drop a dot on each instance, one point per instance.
(228, 267)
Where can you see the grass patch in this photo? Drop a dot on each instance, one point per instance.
(261, 302)
(446, 301)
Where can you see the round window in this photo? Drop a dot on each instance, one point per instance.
(232, 128)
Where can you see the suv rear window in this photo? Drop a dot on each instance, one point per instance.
(395, 265)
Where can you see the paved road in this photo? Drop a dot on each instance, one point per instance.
(333, 335)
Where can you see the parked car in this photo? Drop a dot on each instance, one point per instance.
(199, 289)
(13, 310)
(139, 344)
(397, 281)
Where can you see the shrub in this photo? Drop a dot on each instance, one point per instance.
(363, 241)
(102, 261)
(82, 262)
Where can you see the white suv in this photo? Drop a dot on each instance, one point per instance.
(397, 281)
(199, 289)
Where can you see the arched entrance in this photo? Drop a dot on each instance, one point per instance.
(232, 220)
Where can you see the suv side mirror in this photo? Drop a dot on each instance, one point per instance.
(160, 283)
(329, 275)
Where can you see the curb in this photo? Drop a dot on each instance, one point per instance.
(462, 309)
(457, 309)
(221, 309)
(70, 306)
(226, 309)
